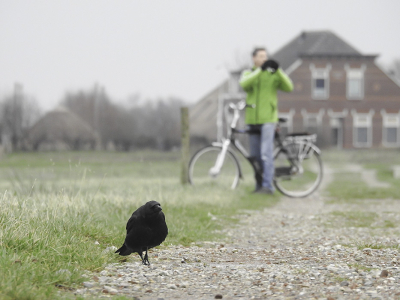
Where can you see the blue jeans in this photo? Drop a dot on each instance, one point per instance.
(262, 149)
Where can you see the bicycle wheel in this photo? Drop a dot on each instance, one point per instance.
(201, 172)
(302, 179)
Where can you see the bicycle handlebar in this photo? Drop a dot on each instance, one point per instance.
(240, 105)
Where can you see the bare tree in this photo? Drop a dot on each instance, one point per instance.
(158, 123)
(144, 124)
(18, 112)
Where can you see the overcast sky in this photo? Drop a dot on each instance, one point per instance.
(167, 48)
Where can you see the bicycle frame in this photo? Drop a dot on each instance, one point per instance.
(295, 161)
(236, 143)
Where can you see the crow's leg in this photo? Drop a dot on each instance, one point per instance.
(141, 256)
(146, 258)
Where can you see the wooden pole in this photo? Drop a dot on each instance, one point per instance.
(185, 144)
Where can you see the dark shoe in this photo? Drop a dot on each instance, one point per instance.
(264, 190)
(256, 190)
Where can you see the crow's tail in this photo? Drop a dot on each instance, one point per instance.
(124, 251)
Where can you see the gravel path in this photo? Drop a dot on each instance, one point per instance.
(300, 249)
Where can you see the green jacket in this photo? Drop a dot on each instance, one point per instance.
(261, 88)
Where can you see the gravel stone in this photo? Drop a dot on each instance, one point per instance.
(171, 286)
(89, 284)
(110, 249)
(111, 290)
(384, 273)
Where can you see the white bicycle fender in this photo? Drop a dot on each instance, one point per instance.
(216, 144)
(316, 149)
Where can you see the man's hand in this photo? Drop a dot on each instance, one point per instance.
(270, 65)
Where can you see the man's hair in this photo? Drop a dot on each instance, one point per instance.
(255, 51)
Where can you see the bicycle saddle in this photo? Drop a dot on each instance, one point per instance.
(297, 133)
(282, 120)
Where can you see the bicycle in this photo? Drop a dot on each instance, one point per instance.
(297, 160)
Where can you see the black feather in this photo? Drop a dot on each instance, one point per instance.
(145, 229)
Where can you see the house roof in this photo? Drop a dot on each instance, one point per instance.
(313, 43)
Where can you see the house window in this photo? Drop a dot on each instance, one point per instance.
(320, 85)
(311, 124)
(312, 121)
(320, 82)
(355, 83)
(362, 130)
(391, 126)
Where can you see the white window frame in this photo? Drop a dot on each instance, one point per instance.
(386, 124)
(355, 73)
(319, 115)
(368, 125)
(289, 117)
(320, 73)
(342, 114)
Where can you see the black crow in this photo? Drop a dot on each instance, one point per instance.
(145, 229)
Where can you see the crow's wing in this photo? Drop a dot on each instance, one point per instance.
(133, 221)
(138, 236)
(136, 217)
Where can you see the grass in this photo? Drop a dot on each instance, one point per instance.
(355, 218)
(349, 186)
(360, 267)
(339, 279)
(362, 156)
(56, 206)
(362, 245)
(360, 219)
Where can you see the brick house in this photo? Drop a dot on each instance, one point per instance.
(339, 93)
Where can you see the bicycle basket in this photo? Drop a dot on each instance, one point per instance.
(301, 136)
(300, 147)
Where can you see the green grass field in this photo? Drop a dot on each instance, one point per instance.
(56, 206)
(350, 188)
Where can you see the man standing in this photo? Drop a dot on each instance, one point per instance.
(261, 84)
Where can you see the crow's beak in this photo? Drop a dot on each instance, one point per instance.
(158, 208)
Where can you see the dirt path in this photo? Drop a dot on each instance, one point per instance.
(300, 249)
